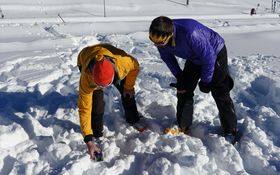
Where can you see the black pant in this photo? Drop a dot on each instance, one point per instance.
(221, 85)
(97, 113)
(129, 104)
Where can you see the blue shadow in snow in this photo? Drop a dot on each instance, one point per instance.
(11, 102)
(262, 92)
(21, 102)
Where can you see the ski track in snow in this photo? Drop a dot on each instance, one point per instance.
(39, 120)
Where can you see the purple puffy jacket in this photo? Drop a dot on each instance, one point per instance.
(195, 42)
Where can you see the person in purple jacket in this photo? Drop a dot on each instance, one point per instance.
(206, 65)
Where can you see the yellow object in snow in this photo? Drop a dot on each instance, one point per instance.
(176, 130)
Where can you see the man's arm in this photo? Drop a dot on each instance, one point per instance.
(85, 105)
(171, 61)
(132, 67)
(205, 52)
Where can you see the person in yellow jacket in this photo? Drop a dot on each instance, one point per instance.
(102, 65)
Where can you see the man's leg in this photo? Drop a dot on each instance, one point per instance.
(188, 82)
(129, 105)
(184, 110)
(222, 83)
(225, 106)
(97, 113)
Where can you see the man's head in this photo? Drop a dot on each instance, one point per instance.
(161, 30)
(103, 72)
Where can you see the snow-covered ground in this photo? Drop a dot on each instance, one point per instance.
(39, 122)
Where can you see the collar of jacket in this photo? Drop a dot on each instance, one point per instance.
(173, 44)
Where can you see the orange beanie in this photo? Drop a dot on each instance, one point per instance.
(103, 72)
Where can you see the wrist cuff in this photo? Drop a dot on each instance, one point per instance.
(88, 138)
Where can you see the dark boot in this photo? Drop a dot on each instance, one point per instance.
(130, 109)
(231, 137)
(97, 113)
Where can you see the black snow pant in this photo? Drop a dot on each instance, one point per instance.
(97, 113)
(221, 85)
(129, 105)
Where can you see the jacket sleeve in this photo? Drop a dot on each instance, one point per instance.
(132, 74)
(84, 105)
(205, 52)
(79, 60)
(170, 60)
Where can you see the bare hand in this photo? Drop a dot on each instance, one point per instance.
(91, 149)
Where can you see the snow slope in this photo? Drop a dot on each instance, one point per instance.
(39, 122)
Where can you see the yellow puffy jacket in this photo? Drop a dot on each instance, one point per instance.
(127, 67)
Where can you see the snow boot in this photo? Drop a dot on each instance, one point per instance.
(231, 137)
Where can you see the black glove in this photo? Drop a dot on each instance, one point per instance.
(204, 87)
(80, 68)
(178, 78)
(173, 85)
